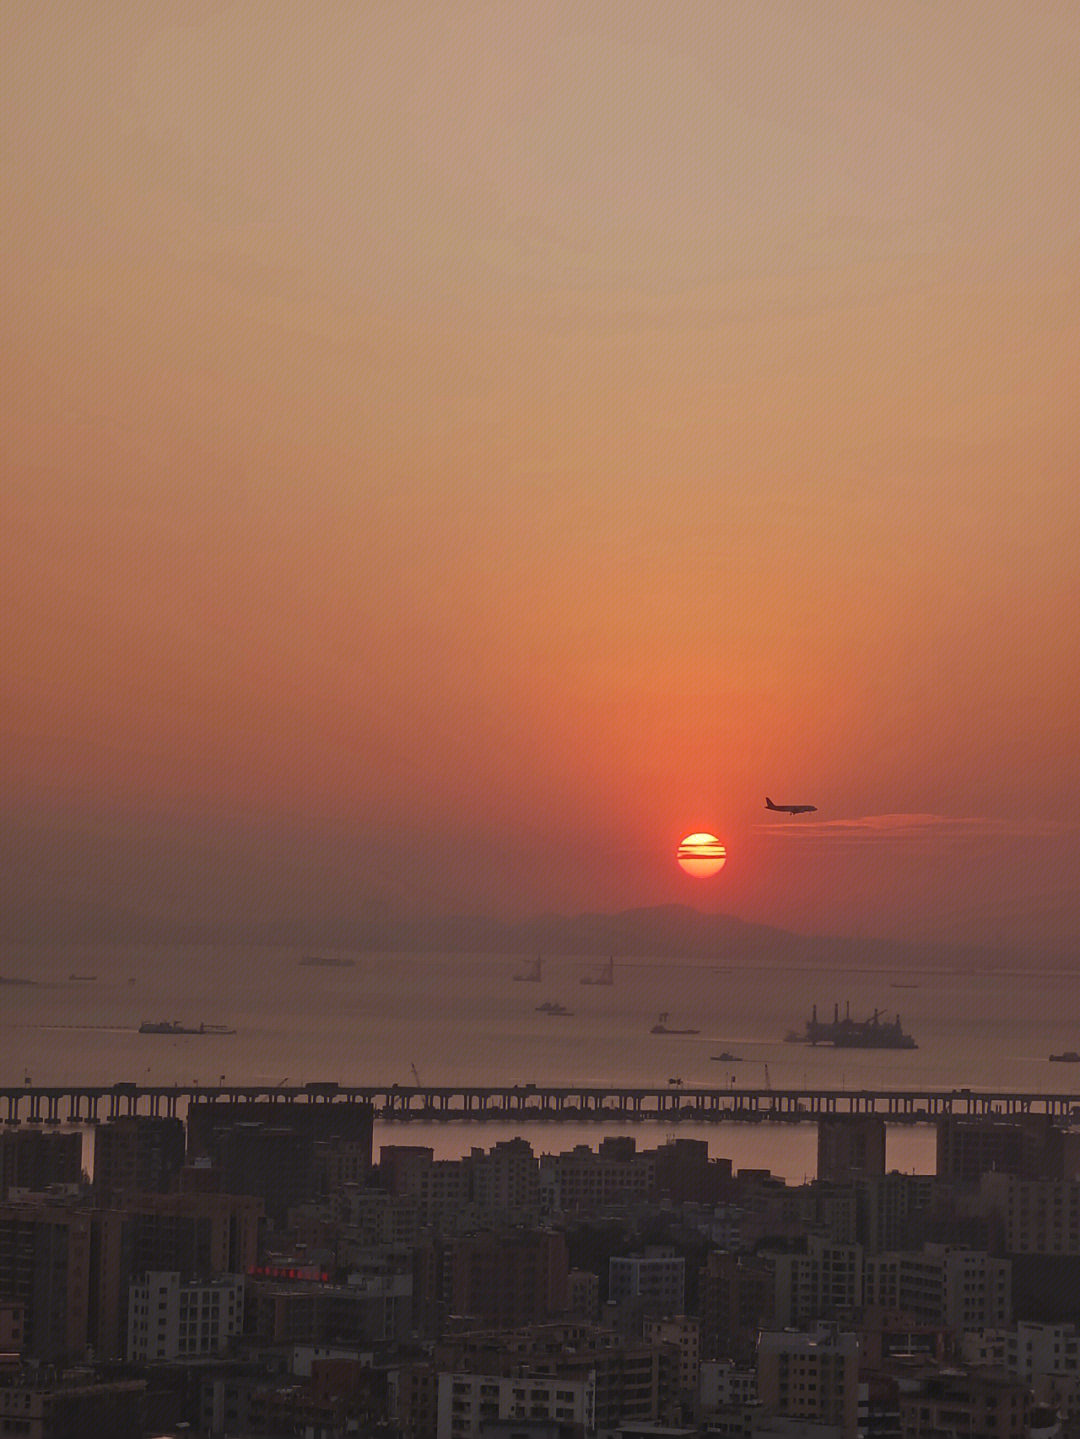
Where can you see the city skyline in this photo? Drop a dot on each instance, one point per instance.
(456, 452)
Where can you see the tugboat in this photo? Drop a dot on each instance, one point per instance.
(661, 1027)
(847, 1033)
(1068, 1056)
(551, 1006)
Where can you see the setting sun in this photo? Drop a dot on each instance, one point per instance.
(702, 855)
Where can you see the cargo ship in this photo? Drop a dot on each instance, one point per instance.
(661, 1027)
(847, 1033)
(604, 975)
(173, 1026)
(551, 1006)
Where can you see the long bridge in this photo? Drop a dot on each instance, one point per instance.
(535, 1103)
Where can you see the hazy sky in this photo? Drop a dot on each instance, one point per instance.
(452, 451)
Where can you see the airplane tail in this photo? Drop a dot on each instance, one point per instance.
(768, 803)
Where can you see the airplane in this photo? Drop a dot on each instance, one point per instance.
(790, 808)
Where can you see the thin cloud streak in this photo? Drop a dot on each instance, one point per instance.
(914, 827)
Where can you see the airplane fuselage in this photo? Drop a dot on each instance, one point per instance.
(790, 808)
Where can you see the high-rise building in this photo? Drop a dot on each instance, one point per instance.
(682, 1335)
(198, 1235)
(34, 1160)
(937, 1285)
(1030, 1146)
(509, 1278)
(588, 1179)
(506, 1180)
(737, 1299)
(683, 1173)
(322, 1121)
(45, 1268)
(824, 1282)
(1035, 1216)
(136, 1154)
(850, 1144)
(274, 1163)
(890, 1209)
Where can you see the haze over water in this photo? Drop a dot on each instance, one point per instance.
(464, 1019)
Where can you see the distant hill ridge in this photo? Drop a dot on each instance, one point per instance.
(672, 931)
(666, 931)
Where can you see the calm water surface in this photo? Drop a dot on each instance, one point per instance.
(461, 1018)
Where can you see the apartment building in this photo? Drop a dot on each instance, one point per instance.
(957, 1289)
(1037, 1216)
(812, 1376)
(468, 1403)
(171, 1320)
(656, 1280)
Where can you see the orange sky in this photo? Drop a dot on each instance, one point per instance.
(454, 450)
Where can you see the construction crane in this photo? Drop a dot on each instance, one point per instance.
(419, 1084)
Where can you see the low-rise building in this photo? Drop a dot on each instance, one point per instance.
(682, 1334)
(812, 1376)
(171, 1320)
(984, 1402)
(467, 1403)
(655, 1279)
(73, 1409)
(724, 1385)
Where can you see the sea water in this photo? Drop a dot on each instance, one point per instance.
(390, 1018)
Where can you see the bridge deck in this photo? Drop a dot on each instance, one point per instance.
(537, 1103)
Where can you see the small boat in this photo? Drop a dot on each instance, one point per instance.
(1068, 1056)
(551, 1006)
(173, 1026)
(726, 1057)
(82, 978)
(661, 1027)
